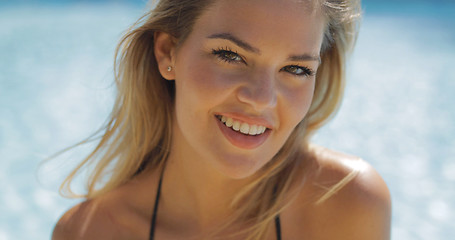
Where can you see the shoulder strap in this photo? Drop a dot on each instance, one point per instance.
(155, 208)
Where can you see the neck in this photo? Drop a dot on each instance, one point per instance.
(193, 191)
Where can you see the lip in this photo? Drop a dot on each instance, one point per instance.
(248, 119)
(241, 140)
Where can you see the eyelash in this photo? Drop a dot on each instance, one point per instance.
(304, 71)
(227, 55)
(222, 53)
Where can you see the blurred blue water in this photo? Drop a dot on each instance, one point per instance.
(55, 89)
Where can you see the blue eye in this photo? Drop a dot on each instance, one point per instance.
(228, 55)
(298, 70)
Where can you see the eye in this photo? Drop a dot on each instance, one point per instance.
(298, 70)
(227, 55)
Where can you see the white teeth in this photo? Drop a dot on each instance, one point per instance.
(261, 129)
(244, 128)
(236, 126)
(253, 130)
(229, 122)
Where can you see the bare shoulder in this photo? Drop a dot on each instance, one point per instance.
(350, 199)
(348, 176)
(87, 220)
(114, 215)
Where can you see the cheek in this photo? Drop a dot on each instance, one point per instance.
(203, 83)
(298, 100)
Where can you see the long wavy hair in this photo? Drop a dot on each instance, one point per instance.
(138, 132)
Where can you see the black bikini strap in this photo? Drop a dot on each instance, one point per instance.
(155, 208)
(278, 227)
(277, 217)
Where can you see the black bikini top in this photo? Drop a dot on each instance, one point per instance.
(155, 210)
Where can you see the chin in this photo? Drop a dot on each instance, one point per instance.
(238, 167)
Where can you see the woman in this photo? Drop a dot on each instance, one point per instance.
(209, 135)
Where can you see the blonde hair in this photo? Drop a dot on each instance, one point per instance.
(138, 133)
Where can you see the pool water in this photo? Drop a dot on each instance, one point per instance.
(56, 89)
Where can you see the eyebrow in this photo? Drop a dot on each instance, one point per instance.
(304, 58)
(232, 38)
(248, 47)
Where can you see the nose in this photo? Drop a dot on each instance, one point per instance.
(259, 91)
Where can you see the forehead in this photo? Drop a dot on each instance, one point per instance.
(291, 23)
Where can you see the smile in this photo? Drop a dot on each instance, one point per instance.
(242, 127)
(241, 134)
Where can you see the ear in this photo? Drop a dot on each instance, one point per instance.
(164, 54)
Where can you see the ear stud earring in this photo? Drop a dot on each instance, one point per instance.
(169, 68)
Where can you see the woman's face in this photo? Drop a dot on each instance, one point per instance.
(247, 66)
